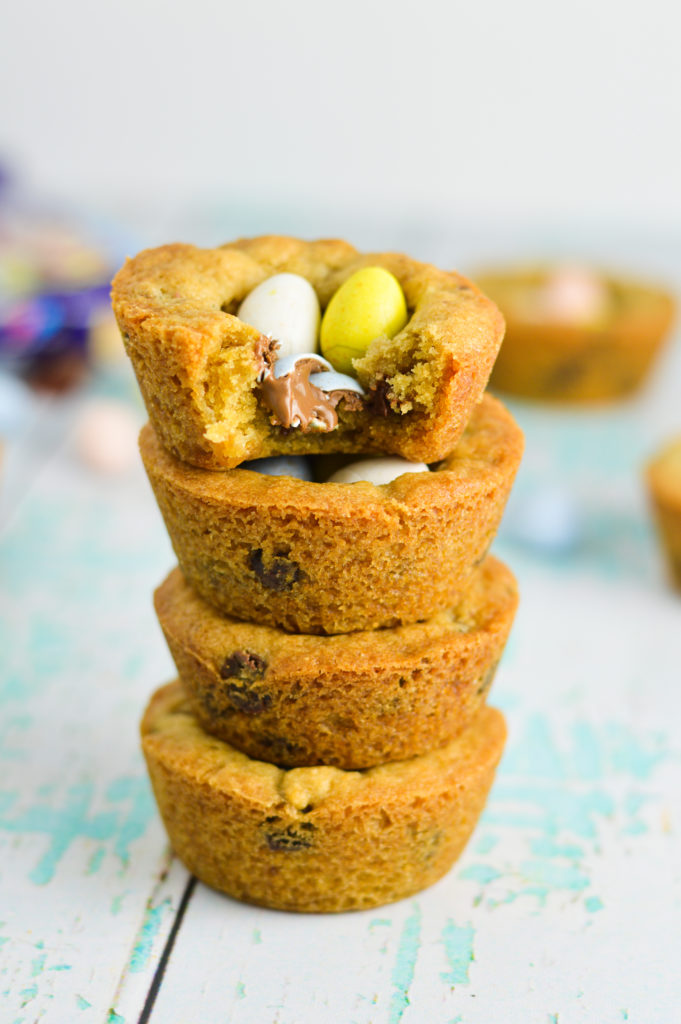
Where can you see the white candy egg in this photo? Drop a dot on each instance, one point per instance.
(330, 380)
(286, 308)
(283, 465)
(106, 436)
(376, 471)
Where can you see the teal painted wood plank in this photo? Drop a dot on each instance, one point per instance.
(81, 849)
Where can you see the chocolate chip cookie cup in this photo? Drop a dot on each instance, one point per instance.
(315, 839)
(215, 390)
(576, 338)
(663, 478)
(332, 558)
(353, 700)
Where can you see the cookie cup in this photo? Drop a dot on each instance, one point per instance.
(557, 360)
(199, 366)
(333, 558)
(353, 700)
(314, 839)
(663, 478)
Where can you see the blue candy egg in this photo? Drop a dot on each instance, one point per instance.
(16, 406)
(544, 518)
(281, 465)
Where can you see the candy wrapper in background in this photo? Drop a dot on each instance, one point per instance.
(55, 321)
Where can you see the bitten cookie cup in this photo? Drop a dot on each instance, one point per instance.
(314, 839)
(351, 701)
(333, 558)
(663, 478)
(594, 356)
(200, 367)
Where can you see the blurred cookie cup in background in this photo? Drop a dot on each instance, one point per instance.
(574, 334)
(663, 479)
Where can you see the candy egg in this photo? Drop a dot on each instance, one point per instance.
(282, 465)
(376, 471)
(545, 518)
(370, 304)
(574, 295)
(106, 436)
(286, 308)
(330, 380)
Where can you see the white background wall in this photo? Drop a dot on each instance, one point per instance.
(524, 112)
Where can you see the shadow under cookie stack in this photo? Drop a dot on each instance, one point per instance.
(335, 627)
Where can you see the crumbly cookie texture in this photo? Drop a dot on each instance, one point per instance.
(333, 558)
(314, 839)
(353, 700)
(663, 477)
(586, 360)
(198, 365)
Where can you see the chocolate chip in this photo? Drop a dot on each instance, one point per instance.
(432, 844)
(289, 839)
(245, 668)
(244, 665)
(248, 700)
(487, 680)
(214, 709)
(378, 402)
(481, 558)
(280, 574)
(280, 748)
(566, 375)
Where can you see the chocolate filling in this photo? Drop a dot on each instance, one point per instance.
(293, 400)
(265, 354)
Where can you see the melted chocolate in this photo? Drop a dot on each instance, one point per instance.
(293, 400)
(266, 354)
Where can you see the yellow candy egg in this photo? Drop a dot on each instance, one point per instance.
(370, 304)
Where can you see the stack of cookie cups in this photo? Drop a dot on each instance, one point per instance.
(327, 745)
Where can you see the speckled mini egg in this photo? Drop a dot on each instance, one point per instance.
(369, 305)
(106, 436)
(284, 465)
(286, 308)
(546, 519)
(376, 471)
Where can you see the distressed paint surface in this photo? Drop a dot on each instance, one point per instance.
(80, 845)
(559, 870)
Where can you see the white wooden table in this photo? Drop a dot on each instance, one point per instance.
(565, 907)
